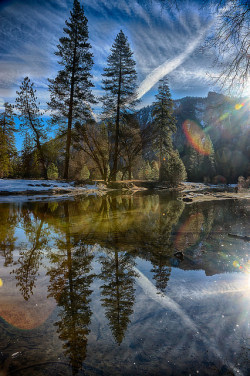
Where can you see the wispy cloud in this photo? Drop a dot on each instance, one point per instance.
(29, 33)
(168, 66)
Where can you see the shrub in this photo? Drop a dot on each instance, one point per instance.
(52, 171)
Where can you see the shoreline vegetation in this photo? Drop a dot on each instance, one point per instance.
(188, 192)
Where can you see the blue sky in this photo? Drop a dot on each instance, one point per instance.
(30, 29)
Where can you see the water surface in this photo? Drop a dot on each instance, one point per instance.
(92, 286)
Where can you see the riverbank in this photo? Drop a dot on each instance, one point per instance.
(188, 191)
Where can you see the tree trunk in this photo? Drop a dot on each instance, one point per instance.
(129, 172)
(161, 146)
(117, 125)
(39, 147)
(42, 159)
(70, 115)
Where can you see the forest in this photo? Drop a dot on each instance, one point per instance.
(194, 139)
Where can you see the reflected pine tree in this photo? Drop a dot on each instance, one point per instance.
(8, 222)
(161, 273)
(70, 281)
(117, 291)
(161, 244)
(30, 259)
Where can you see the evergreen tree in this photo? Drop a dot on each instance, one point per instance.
(172, 169)
(164, 121)
(52, 171)
(199, 160)
(7, 140)
(70, 91)
(26, 103)
(84, 173)
(120, 86)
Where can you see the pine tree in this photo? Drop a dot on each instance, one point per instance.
(52, 171)
(70, 91)
(7, 140)
(26, 103)
(171, 167)
(120, 86)
(164, 121)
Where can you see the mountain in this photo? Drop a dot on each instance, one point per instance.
(226, 121)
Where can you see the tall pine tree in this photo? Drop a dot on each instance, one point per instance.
(171, 168)
(26, 103)
(164, 121)
(70, 91)
(120, 86)
(7, 140)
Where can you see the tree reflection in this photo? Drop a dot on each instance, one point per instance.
(70, 281)
(30, 259)
(118, 289)
(8, 222)
(161, 243)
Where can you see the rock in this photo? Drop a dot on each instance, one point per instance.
(179, 255)
(187, 199)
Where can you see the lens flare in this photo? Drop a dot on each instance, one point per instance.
(197, 138)
(224, 116)
(238, 106)
(244, 268)
(190, 232)
(1, 282)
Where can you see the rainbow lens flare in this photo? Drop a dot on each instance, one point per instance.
(197, 138)
(190, 232)
(238, 106)
(244, 268)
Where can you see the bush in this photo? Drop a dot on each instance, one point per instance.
(219, 179)
(243, 184)
(84, 173)
(52, 172)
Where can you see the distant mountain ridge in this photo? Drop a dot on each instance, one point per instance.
(194, 106)
(205, 111)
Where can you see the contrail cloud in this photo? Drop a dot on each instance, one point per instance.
(167, 67)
